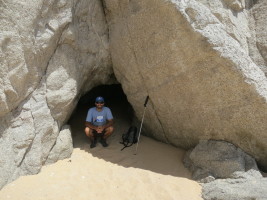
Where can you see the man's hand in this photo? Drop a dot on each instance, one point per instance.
(99, 129)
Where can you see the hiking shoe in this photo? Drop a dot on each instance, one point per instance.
(103, 142)
(93, 144)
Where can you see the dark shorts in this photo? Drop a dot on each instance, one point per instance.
(98, 134)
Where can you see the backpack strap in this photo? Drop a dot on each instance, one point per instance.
(125, 144)
(128, 144)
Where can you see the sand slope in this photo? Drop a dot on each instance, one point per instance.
(154, 173)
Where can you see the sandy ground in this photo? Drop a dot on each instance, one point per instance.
(156, 172)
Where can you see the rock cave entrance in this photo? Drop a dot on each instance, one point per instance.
(115, 99)
(152, 155)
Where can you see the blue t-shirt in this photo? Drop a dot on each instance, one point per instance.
(99, 118)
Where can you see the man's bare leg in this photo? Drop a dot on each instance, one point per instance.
(89, 133)
(108, 132)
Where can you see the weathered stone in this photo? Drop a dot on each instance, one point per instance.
(199, 76)
(259, 16)
(28, 135)
(247, 188)
(63, 146)
(27, 43)
(218, 159)
(236, 5)
(236, 25)
(48, 60)
(82, 57)
(250, 174)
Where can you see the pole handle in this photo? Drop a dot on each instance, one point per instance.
(146, 101)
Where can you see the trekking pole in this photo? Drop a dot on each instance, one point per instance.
(141, 125)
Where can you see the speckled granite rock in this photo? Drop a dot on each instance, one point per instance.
(218, 159)
(192, 59)
(51, 53)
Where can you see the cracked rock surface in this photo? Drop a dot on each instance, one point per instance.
(218, 159)
(49, 50)
(193, 60)
(225, 172)
(246, 185)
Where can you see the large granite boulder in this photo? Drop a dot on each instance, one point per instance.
(63, 147)
(246, 186)
(225, 172)
(51, 53)
(218, 159)
(258, 43)
(192, 59)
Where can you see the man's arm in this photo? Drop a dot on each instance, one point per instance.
(109, 124)
(89, 119)
(109, 119)
(90, 125)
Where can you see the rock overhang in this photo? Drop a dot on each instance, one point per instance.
(200, 79)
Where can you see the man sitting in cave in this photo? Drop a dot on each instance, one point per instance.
(99, 123)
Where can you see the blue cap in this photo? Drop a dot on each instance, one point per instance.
(99, 99)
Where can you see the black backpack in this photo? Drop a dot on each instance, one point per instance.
(130, 137)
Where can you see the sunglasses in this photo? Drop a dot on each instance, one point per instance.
(99, 102)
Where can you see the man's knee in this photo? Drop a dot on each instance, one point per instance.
(88, 131)
(110, 130)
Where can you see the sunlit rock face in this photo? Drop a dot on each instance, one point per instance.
(51, 53)
(259, 29)
(193, 60)
(201, 62)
